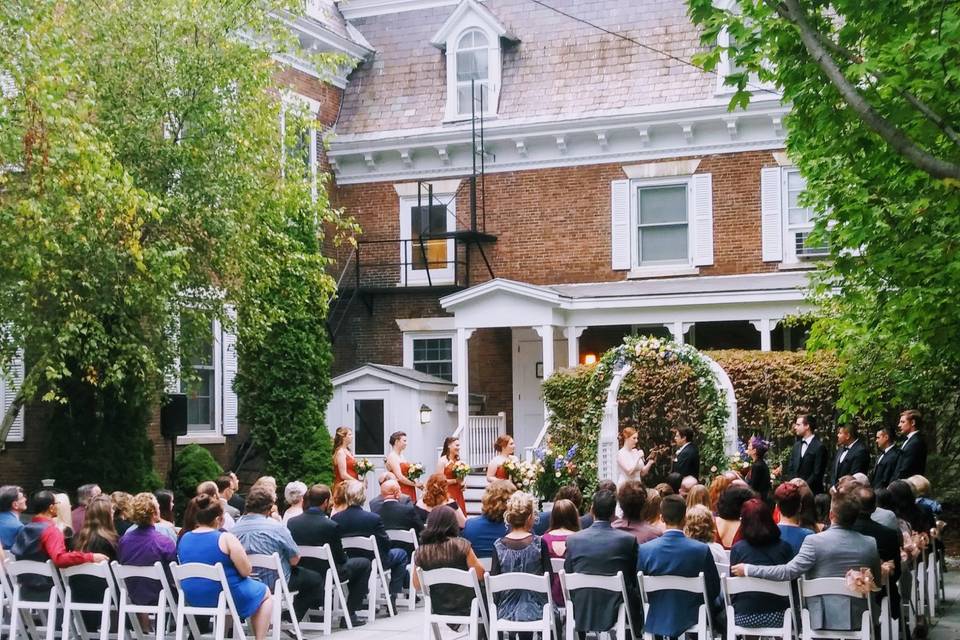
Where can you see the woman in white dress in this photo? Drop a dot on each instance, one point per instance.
(630, 461)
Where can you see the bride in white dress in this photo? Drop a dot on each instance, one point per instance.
(630, 460)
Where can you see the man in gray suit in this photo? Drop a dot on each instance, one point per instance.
(828, 555)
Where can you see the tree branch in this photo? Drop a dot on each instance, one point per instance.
(936, 167)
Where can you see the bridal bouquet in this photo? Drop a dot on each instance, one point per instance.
(461, 469)
(861, 581)
(523, 474)
(363, 466)
(414, 471)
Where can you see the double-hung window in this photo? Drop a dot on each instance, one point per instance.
(424, 257)
(298, 132)
(434, 356)
(201, 389)
(799, 221)
(662, 225)
(473, 72)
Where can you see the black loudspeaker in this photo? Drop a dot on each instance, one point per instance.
(173, 416)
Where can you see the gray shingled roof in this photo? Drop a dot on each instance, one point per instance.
(410, 374)
(561, 68)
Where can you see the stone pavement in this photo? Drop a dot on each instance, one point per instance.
(408, 625)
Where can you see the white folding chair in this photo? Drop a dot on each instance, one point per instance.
(334, 598)
(73, 610)
(379, 577)
(522, 582)
(440, 578)
(407, 536)
(128, 611)
(723, 568)
(283, 599)
(572, 582)
(651, 584)
(486, 563)
(832, 587)
(21, 609)
(225, 608)
(890, 629)
(735, 586)
(557, 565)
(6, 596)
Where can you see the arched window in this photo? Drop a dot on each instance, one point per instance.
(473, 67)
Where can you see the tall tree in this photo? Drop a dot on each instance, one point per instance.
(874, 93)
(141, 192)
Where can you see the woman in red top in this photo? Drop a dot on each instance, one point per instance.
(504, 446)
(344, 464)
(449, 457)
(398, 466)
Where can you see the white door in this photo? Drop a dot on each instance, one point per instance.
(527, 391)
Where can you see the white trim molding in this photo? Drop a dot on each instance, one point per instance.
(426, 324)
(365, 8)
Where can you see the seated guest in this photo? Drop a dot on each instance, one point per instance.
(699, 495)
(293, 495)
(64, 518)
(888, 541)
(377, 502)
(225, 488)
(520, 551)
(760, 544)
(602, 550)
(822, 503)
(728, 513)
(664, 489)
(165, 501)
(828, 555)
(435, 495)
(12, 505)
(42, 540)
(144, 544)
(399, 515)
(674, 480)
(906, 508)
(121, 511)
(206, 544)
(672, 554)
(98, 535)
(569, 492)
(564, 522)
(441, 547)
(699, 526)
(85, 493)
(261, 534)
(651, 510)
(807, 515)
(209, 488)
(338, 500)
(488, 527)
(787, 496)
(354, 521)
(632, 497)
(717, 487)
(688, 482)
(236, 500)
(921, 489)
(884, 514)
(313, 528)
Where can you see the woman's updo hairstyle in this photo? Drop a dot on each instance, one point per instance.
(626, 433)
(520, 507)
(208, 509)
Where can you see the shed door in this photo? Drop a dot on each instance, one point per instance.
(368, 410)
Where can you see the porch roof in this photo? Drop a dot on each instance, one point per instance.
(398, 375)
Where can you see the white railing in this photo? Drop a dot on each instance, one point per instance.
(528, 451)
(483, 431)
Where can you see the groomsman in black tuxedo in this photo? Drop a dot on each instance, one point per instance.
(686, 461)
(913, 451)
(808, 460)
(885, 471)
(852, 455)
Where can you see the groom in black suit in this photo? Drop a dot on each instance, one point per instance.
(808, 460)
(852, 454)
(686, 461)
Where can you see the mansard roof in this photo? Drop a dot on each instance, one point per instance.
(560, 68)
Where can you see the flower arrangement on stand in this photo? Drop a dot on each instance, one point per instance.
(363, 466)
(461, 469)
(559, 469)
(414, 471)
(523, 474)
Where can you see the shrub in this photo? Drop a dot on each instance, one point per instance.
(194, 465)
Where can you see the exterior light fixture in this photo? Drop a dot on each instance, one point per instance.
(590, 358)
(425, 414)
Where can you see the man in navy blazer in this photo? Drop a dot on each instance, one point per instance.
(673, 554)
(354, 521)
(913, 451)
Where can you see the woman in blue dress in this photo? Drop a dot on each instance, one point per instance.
(206, 544)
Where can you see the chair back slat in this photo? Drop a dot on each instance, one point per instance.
(183, 572)
(672, 583)
(362, 543)
(557, 564)
(827, 587)
(94, 570)
(446, 575)
(518, 581)
(406, 536)
(734, 586)
(17, 568)
(263, 561)
(321, 552)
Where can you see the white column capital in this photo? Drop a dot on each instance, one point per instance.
(544, 330)
(464, 334)
(573, 332)
(763, 325)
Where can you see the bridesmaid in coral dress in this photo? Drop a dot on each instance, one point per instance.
(344, 464)
(396, 465)
(504, 446)
(449, 457)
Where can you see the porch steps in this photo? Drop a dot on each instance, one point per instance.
(476, 484)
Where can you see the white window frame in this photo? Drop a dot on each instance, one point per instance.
(494, 72)
(410, 276)
(410, 336)
(671, 267)
(216, 393)
(291, 100)
(789, 241)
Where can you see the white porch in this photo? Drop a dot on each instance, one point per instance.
(547, 323)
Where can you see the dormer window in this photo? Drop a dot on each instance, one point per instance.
(472, 60)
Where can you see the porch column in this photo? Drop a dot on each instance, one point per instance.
(572, 334)
(463, 391)
(763, 326)
(546, 334)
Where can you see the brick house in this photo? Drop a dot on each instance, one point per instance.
(531, 188)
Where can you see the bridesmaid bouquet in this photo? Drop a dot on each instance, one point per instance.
(460, 469)
(363, 466)
(414, 471)
(861, 581)
(523, 474)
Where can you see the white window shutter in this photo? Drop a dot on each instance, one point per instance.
(228, 345)
(8, 391)
(172, 378)
(620, 225)
(702, 186)
(771, 215)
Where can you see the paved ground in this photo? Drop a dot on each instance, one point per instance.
(408, 625)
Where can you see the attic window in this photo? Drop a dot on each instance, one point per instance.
(472, 59)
